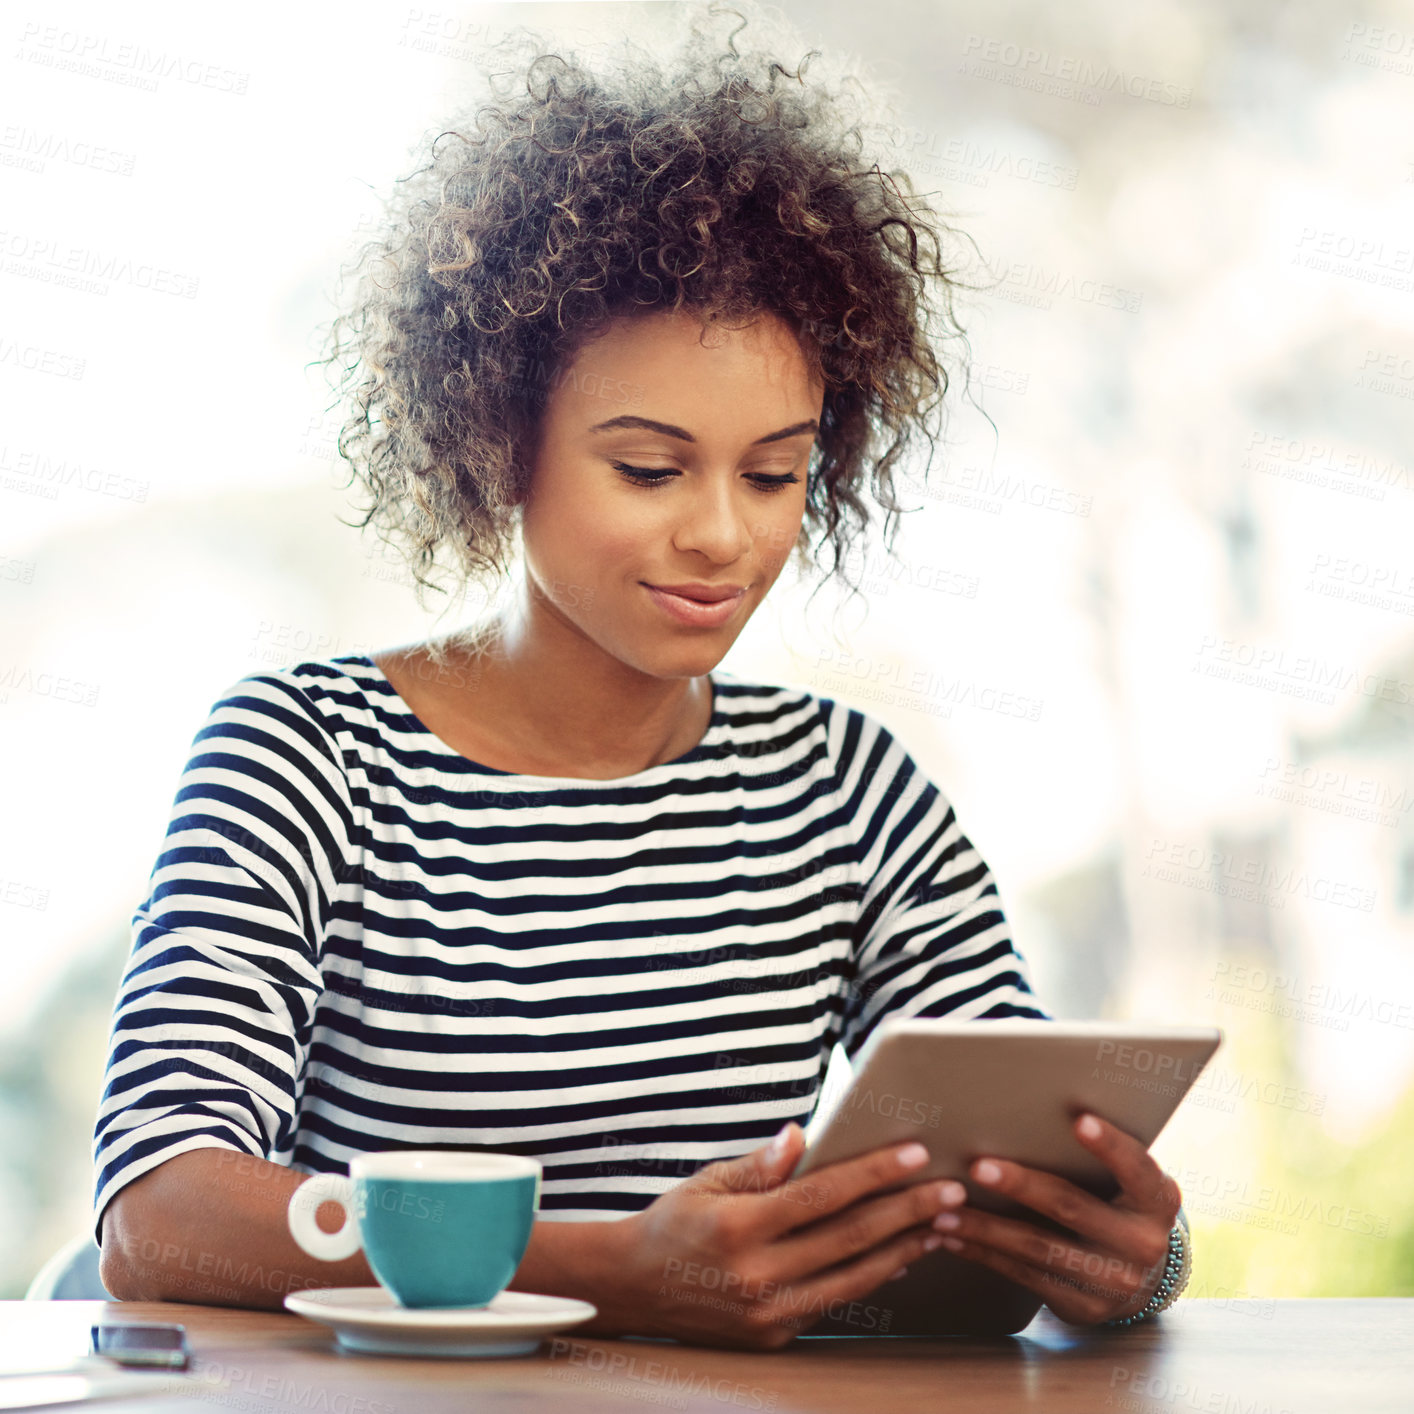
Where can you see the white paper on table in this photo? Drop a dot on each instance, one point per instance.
(93, 1378)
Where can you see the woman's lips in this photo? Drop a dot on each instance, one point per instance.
(695, 611)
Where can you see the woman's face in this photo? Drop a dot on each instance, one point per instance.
(725, 426)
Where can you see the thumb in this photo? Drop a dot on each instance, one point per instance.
(763, 1167)
(774, 1161)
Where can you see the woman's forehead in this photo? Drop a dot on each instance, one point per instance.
(645, 334)
(662, 359)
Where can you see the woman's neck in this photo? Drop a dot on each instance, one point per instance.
(528, 688)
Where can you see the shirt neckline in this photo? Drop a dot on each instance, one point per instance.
(704, 749)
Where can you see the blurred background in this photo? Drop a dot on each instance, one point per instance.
(1150, 627)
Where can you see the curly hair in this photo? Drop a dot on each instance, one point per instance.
(719, 181)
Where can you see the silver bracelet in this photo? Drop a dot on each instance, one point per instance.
(1178, 1267)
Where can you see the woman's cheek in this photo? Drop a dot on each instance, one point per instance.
(775, 539)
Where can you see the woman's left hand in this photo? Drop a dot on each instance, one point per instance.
(1110, 1275)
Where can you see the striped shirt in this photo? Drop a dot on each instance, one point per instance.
(355, 939)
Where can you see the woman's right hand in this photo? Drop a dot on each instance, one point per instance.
(740, 1255)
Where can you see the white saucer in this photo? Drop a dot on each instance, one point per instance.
(369, 1319)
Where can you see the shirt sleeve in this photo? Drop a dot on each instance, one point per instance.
(930, 938)
(212, 1021)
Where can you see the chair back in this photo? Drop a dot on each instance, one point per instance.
(71, 1274)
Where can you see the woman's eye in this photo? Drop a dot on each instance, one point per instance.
(648, 475)
(656, 475)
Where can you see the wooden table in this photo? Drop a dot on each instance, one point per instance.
(1203, 1357)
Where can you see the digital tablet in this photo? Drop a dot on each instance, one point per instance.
(1012, 1089)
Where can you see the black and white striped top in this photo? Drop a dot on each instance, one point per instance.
(356, 939)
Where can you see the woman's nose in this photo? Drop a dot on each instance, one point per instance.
(714, 523)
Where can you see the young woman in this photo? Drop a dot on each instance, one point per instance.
(558, 886)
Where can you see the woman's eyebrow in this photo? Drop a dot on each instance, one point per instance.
(647, 424)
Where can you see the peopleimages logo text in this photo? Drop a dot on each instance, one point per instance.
(1085, 73)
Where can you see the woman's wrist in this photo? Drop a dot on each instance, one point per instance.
(1173, 1277)
(584, 1261)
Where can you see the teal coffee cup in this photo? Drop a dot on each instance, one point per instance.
(438, 1228)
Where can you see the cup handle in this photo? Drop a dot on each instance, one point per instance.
(304, 1204)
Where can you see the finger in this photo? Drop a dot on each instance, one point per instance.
(834, 1187)
(761, 1169)
(1066, 1297)
(803, 1303)
(1106, 1272)
(863, 1226)
(1143, 1183)
(1068, 1204)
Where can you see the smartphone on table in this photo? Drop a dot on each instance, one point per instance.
(147, 1345)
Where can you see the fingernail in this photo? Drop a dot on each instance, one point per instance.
(777, 1146)
(952, 1244)
(912, 1156)
(902, 1271)
(945, 1222)
(951, 1193)
(1089, 1127)
(987, 1172)
(932, 1242)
